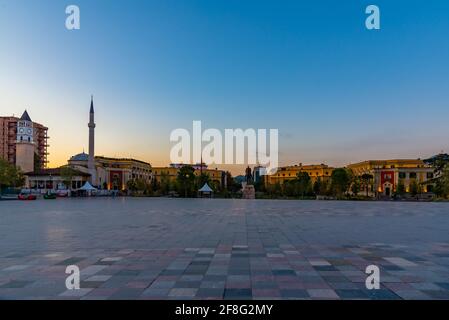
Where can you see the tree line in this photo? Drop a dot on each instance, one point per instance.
(342, 183)
(186, 184)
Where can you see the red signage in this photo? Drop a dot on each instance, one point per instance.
(387, 176)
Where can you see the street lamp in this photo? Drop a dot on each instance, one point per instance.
(185, 186)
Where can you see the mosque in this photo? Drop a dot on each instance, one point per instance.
(101, 172)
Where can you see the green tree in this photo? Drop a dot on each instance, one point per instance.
(165, 184)
(10, 175)
(325, 187)
(290, 188)
(202, 179)
(439, 163)
(67, 175)
(340, 181)
(186, 180)
(131, 185)
(367, 180)
(400, 189)
(274, 190)
(442, 183)
(231, 184)
(355, 185)
(413, 188)
(317, 185)
(143, 186)
(140, 186)
(304, 183)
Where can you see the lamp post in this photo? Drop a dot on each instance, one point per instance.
(51, 183)
(185, 186)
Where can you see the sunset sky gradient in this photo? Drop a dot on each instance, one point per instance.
(337, 92)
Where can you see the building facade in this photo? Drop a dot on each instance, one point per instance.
(259, 173)
(9, 135)
(388, 174)
(52, 180)
(112, 173)
(288, 173)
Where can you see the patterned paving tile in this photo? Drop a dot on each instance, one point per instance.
(322, 293)
(75, 293)
(294, 293)
(231, 250)
(16, 284)
(237, 294)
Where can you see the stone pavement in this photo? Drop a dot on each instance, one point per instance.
(133, 248)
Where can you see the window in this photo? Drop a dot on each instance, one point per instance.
(412, 175)
(402, 175)
(429, 175)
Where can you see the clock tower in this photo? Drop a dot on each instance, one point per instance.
(25, 143)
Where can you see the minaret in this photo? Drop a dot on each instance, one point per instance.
(24, 144)
(91, 161)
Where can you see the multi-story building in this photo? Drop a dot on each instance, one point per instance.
(112, 173)
(258, 174)
(8, 139)
(287, 173)
(217, 176)
(387, 174)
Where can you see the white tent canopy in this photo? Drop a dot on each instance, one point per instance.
(87, 187)
(206, 188)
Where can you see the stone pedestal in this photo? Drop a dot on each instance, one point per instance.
(248, 191)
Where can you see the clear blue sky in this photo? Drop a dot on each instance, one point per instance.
(337, 92)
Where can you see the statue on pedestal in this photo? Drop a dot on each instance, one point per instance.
(248, 191)
(248, 176)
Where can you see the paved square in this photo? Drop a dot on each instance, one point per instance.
(157, 248)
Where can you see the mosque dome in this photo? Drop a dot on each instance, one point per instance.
(80, 157)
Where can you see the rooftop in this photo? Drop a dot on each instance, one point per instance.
(25, 116)
(55, 172)
(80, 157)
